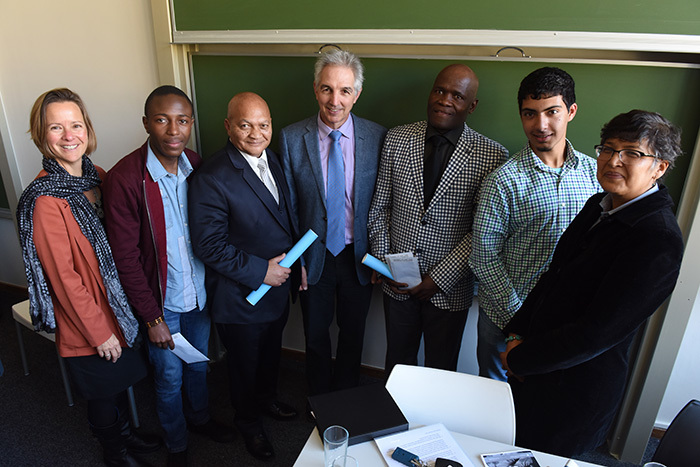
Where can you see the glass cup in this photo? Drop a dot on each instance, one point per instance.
(344, 461)
(654, 464)
(335, 444)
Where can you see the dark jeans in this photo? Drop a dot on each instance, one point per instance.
(172, 376)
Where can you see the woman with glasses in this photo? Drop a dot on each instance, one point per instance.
(567, 346)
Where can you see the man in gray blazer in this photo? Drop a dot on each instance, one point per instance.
(426, 195)
(330, 162)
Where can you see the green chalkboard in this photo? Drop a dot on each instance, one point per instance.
(396, 92)
(645, 16)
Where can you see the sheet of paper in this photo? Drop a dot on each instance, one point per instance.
(186, 351)
(404, 268)
(428, 443)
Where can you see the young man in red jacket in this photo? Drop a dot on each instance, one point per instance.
(145, 198)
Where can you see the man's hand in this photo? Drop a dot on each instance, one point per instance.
(110, 349)
(304, 282)
(160, 336)
(376, 278)
(425, 290)
(276, 274)
(394, 286)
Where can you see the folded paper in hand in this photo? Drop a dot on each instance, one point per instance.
(186, 351)
(404, 268)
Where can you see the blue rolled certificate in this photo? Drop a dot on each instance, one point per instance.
(377, 265)
(292, 255)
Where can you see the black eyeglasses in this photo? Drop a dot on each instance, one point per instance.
(627, 156)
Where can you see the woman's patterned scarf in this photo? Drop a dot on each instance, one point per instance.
(60, 184)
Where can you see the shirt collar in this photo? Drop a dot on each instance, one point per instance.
(606, 202)
(156, 169)
(253, 160)
(452, 135)
(570, 159)
(324, 130)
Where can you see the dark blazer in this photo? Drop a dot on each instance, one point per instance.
(236, 228)
(580, 319)
(301, 160)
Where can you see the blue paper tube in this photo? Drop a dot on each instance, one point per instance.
(377, 265)
(292, 255)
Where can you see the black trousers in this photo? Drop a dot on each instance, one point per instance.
(409, 320)
(338, 292)
(253, 360)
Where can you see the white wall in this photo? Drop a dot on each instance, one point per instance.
(684, 383)
(102, 50)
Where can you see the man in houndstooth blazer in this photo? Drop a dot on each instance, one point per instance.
(429, 177)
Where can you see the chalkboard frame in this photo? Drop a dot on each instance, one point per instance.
(589, 16)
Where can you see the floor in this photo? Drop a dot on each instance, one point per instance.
(37, 428)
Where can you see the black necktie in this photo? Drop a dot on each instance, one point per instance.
(434, 166)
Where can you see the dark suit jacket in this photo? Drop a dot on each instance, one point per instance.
(236, 228)
(301, 160)
(580, 319)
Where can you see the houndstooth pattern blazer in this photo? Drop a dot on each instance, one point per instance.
(441, 235)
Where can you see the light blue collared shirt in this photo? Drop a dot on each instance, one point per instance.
(185, 285)
(347, 144)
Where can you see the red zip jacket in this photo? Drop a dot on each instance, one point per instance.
(135, 224)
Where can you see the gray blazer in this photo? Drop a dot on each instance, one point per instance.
(301, 162)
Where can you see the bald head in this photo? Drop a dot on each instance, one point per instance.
(453, 97)
(248, 123)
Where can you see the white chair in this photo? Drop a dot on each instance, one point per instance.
(464, 403)
(20, 313)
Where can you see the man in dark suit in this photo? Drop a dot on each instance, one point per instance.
(330, 162)
(426, 195)
(241, 227)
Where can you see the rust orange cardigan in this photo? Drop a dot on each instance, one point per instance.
(84, 318)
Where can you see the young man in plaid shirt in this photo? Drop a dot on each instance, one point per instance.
(524, 207)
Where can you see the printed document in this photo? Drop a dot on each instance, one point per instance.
(404, 268)
(428, 443)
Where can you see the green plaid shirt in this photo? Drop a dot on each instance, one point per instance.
(523, 209)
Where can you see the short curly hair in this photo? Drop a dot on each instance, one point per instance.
(548, 82)
(662, 136)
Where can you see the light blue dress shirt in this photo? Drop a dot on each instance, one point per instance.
(185, 285)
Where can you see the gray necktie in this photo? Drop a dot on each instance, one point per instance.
(267, 179)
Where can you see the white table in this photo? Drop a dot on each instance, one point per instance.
(368, 455)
